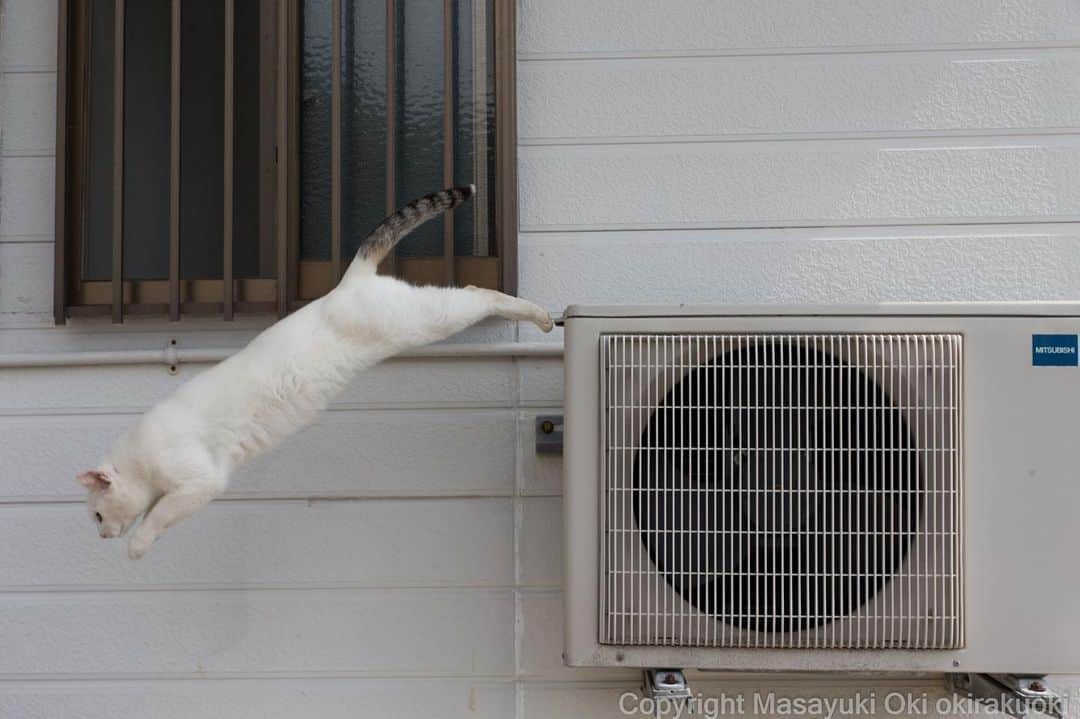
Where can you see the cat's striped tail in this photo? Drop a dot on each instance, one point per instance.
(382, 239)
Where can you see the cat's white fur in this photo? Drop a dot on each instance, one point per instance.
(181, 453)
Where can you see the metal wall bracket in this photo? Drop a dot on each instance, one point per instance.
(665, 686)
(1012, 694)
(549, 434)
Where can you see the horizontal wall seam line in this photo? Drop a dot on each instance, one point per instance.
(40, 681)
(257, 499)
(671, 54)
(736, 680)
(345, 407)
(159, 327)
(31, 154)
(581, 229)
(1013, 229)
(922, 143)
(231, 589)
(219, 676)
(333, 409)
(504, 407)
(28, 70)
(269, 587)
(494, 589)
(822, 137)
(748, 680)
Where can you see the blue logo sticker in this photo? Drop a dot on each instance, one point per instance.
(1054, 351)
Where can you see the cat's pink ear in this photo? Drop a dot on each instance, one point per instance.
(95, 479)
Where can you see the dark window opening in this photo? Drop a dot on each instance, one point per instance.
(222, 156)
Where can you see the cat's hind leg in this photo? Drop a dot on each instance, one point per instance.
(515, 308)
(166, 512)
(384, 309)
(429, 314)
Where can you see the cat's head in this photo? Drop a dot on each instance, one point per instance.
(114, 501)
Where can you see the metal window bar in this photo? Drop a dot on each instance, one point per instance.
(390, 263)
(506, 210)
(174, 163)
(60, 169)
(291, 197)
(787, 490)
(118, 164)
(448, 135)
(480, 139)
(335, 140)
(283, 156)
(228, 162)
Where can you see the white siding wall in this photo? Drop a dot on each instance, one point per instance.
(402, 556)
(789, 151)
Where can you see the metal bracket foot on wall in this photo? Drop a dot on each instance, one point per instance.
(1012, 694)
(665, 684)
(549, 434)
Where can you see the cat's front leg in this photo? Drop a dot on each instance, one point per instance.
(168, 510)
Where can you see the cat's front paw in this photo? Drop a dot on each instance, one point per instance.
(139, 546)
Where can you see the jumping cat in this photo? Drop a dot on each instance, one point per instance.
(180, 454)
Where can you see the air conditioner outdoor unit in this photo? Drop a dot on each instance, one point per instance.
(891, 488)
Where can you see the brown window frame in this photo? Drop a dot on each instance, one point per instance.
(297, 282)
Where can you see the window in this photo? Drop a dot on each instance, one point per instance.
(227, 156)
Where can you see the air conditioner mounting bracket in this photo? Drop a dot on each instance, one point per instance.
(549, 434)
(1013, 694)
(665, 684)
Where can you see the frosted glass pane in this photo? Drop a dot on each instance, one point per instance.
(420, 144)
(418, 114)
(363, 125)
(464, 112)
(474, 127)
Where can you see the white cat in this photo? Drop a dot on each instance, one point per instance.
(180, 454)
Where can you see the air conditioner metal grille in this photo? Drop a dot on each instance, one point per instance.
(795, 490)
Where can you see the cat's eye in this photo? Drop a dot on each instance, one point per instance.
(97, 515)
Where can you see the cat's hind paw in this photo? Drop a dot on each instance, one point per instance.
(545, 323)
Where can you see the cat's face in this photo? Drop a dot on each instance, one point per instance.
(112, 502)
